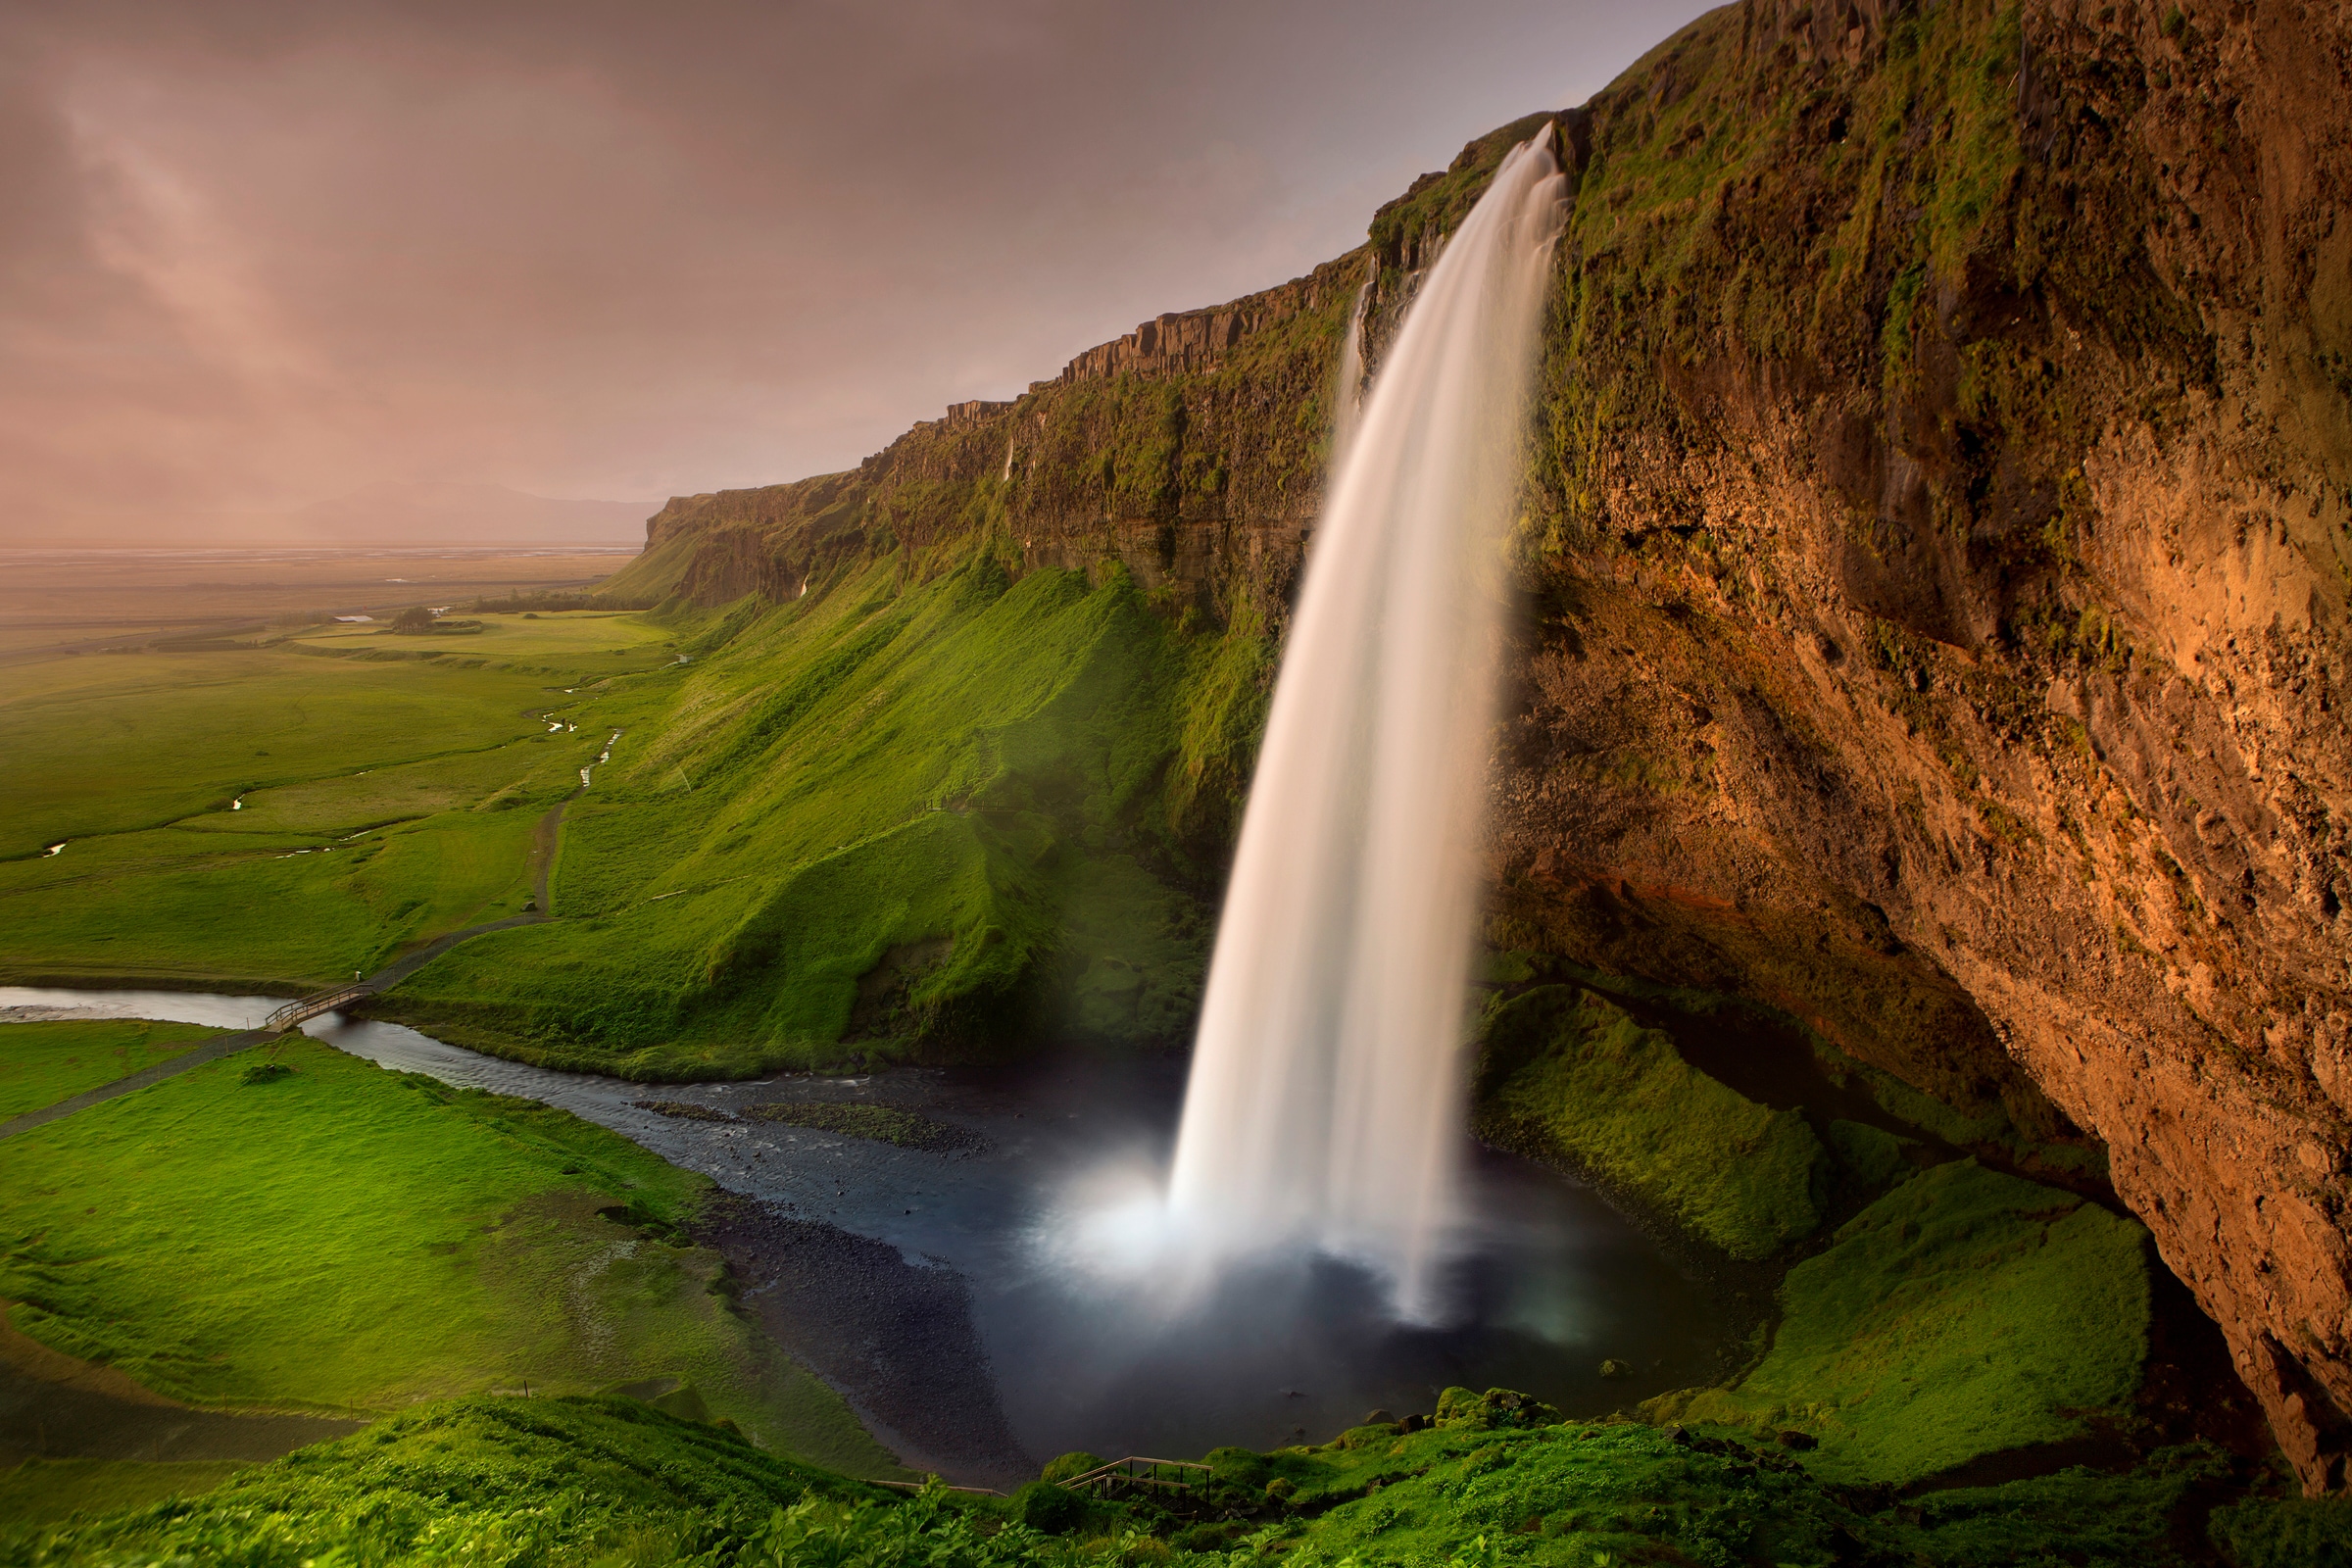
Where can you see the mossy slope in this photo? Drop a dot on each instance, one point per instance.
(1566, 1073)
(611, 1482)
(1965, 1314)
(881, 819)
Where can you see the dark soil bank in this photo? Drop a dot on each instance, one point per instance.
(896, 1338)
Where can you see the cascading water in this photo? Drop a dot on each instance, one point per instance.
(1326, 1092)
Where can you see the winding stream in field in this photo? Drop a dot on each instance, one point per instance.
(1054, 1357)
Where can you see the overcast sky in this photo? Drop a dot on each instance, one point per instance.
(258, 253)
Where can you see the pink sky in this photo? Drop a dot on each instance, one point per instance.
(264, 252)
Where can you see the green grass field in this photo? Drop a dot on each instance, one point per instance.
(276, 818)
(50, 1492)
(556, 639)
(42, 1063)
(368, 1238)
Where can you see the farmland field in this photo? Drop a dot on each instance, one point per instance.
(276, 815)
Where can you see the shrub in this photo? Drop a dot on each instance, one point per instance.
(1043, 1505)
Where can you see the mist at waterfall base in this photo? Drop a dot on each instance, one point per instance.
(1322, 1119)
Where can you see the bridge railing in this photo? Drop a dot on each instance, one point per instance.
(1136, 1472)
(304, 1008)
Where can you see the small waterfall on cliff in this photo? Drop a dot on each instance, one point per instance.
(1347, 398)
(1326, 1095)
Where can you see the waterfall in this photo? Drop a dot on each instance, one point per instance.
(1347, 399)
(1326, 1094)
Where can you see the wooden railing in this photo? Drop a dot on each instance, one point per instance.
(917, 1485)
(305, 1008)
(1137, 1473)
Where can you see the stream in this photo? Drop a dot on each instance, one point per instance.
(1018, 1345)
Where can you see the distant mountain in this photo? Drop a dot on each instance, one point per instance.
(429, 514)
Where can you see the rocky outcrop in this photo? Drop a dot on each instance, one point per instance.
(1937, 556)
(1943, 586)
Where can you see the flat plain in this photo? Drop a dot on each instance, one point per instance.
(281, 812)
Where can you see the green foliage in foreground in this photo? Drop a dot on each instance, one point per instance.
(365, 1239)
(1964, 1313)
(877, 821)
(1566, 1072)
(610, 1482)
(2287, 1533)
(42, 1063)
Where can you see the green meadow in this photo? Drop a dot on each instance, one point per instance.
(887, 817)
(276, 816)
(42, 1063)
(367, 1240)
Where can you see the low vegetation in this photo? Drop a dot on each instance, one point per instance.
(368, 1238)
(268, 818)
(1567, 1074)
(50, 1492)
(1493, 1482)
(1965, 1314)
(876, 822)
(42, 1063)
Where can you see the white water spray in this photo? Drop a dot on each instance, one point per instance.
(1326, 1094)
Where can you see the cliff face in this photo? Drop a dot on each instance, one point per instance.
(1937, 553)
(1942, 588)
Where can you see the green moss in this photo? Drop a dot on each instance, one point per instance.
(2286, 1531)
(1566, 1072)
(1868, 1157)
(543, 1480)
(1990, 1128)
(1963, 1314)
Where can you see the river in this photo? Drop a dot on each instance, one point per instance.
(1546, 1283)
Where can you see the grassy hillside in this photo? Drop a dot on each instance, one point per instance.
(364, 1240)
(1964, 1313)
(883, 818)
(1564, 1074)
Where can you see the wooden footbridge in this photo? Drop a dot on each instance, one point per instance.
(1137, 1476)
(302, 1009)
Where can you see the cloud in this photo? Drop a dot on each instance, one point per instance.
(267, 250)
